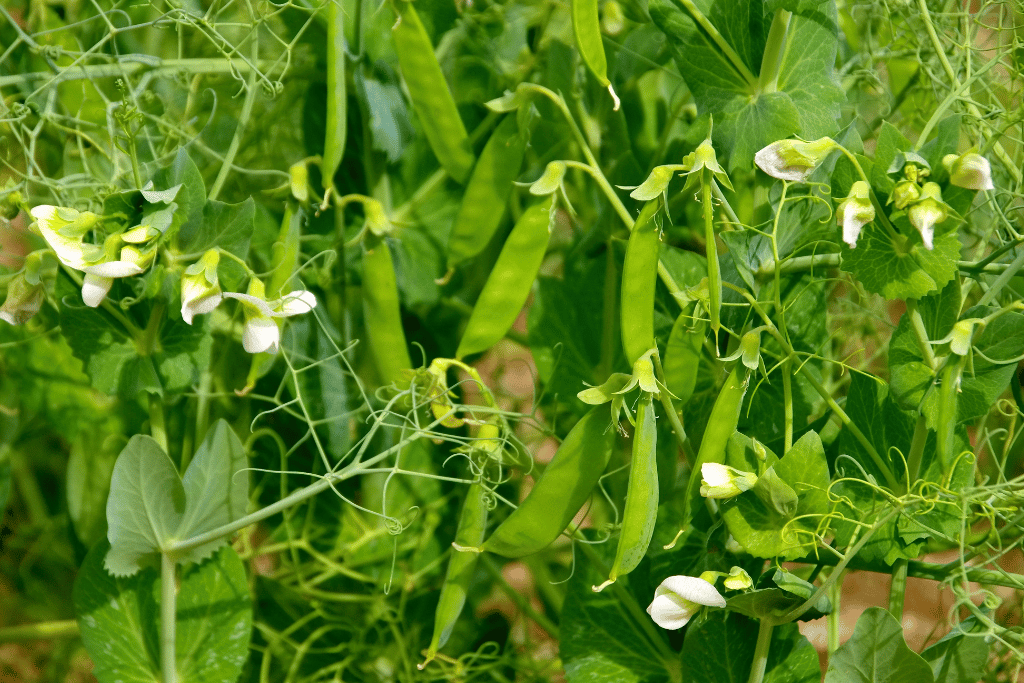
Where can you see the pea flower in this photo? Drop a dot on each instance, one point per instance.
(701, 159)
(970, 170)
(261, 333)
(721, 481)
(64, 230)
(927, 211)
(738, 579)
(855, 212)
(23, 301)
(794, 160)
(905, 192)
(678, 598)
(200, 291)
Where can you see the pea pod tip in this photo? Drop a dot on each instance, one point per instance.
(467, 549)
(598, 589)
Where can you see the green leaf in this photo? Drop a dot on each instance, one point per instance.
(721, 650)
(216, 487)
(877, 653)
(119, 620)
(145, 505)
(191, 197)
(901, 273)
(763, 531)
(387, 115)
(90, 466)
(957, 657)
(228, 226)
(890, 143)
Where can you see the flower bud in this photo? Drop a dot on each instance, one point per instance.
(554, 172)
(855, 212)
(23, 300)
(960, 337)
(927, 211)
(721, 481)
(200, 291)
(794, 160)
(776, 494)
(703, 159)
(298, 177)
(970, 170)
(750, 349)
(905, 192)
(738, 579)
(655, 185)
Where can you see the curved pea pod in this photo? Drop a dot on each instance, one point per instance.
(639, 278)
(586, 27)
(487, 192)
(334, 140)
(560, 492)
(381, 312)
(721, 424)
(682, 355)
(472, 525)
(431, 98)
(508, 285)
(641, 510)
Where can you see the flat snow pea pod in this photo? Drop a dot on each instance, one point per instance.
(639, 278)
(641, 497)
(720, 426)
(682, 355)
(586, 27)
(472, 525)
(508, 285)
(487, 192)
(334, 140)
(381, 312)
(431, 97)
(560, 492)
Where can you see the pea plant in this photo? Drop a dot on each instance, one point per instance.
(510, 341)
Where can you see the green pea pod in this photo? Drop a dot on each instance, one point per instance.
(682, 355)
(720, 426)
(586, 27)
(286, 251)
(431, 97)
(560, 492)
(641, 510)
(487, 192)
(381, 312)
(472, 525)
(639, 278)
(947, 413)
(334, 140)
(508, 285)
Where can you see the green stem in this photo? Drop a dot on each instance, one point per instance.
(243, 121)
(835, 595)
(168, 618)
(773, 50)
(47, 630)
(157, 426)
(673, 416)
(720, 42)
(787, 405)
(898, 588)
(711, 246)
(916, 454)
(920, 334)
(1001, 281)
(764, 641)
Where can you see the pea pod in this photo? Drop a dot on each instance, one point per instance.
(641, 510)
(431, 97)
(508, 285)
(720, 426)
(334, 140)
(560, 492)
(947, 413)
(639, 277)
(586, 27)
(381, 312)
(472, 525)
(682, 355)
(487, 192)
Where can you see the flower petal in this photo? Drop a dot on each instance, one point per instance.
(295, 303)
(261, 335)
(260, 304)
(670, 614)
(693, 589)
(113, 269)
(95, 289)
(200, 305)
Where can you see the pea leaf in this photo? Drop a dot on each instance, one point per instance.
(898, 274)
(747, 117)
(228, 226)
(119, 620)
(957, 657)
(877, 653)
(721, 650)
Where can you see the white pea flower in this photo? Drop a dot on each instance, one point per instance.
(793, 159)
(721, 481)
(23, 301)
(855, 212)
(678, 598)
(970, 170)
(261, 333)
(928, 211)
(200, 290)
(64, 230)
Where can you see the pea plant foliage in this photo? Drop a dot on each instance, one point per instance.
(589, 340)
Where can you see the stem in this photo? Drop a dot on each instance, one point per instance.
(916, 454)
(764, 641)
(127, 66)
(711, 246)
(42, 631)
(1001, 281)
(773, 50)
(787, 397)
(835, 595)
(243, 121)
(157, 426)
(920, 333)
(168, 623)
(673, 417)
(898, 588)
(720, 42)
